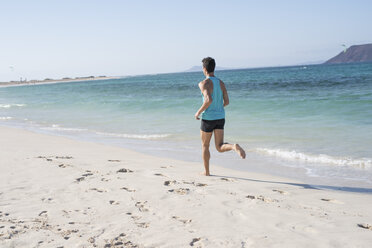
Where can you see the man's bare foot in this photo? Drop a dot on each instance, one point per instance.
(205, 174)
(239, 150)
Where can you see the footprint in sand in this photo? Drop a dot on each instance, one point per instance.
(184, 221)
(186, 182)
(112, 202)
(141, 206)
(195, 184)
(66, 234)
(49, 158)
(63, 165)
(119, 241)
(135, 217)
(159, 174)
(365, 226)
(84, 176)
(63, 157)
(168, 183)
(332, 200)
(167, 166)
(79, 179)
(180, 191)
(129, 190)
(47, 200)
(98, 190)
(261, 198)
(143, 224)
(43, 213)
(281, 191)
(195, 241)
(124, 170)
(200, 184)
(227, 179)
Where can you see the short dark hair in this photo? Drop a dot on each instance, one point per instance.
(209, 64)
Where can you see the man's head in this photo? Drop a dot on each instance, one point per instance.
(208, 64)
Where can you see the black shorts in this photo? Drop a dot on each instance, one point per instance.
(208, 126)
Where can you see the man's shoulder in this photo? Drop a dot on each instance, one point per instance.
(205, 82)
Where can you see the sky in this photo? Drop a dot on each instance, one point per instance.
(55, 39)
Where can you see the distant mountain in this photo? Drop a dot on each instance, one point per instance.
(199, 68)
(356, 53)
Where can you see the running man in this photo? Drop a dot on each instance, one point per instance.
(215, 98)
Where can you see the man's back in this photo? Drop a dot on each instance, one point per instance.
(216, 110)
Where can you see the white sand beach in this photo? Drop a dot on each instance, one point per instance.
(54, 81)
(58, 192)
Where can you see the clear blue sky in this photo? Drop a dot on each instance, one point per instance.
(81, 38)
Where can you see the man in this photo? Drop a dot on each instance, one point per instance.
(215, 98)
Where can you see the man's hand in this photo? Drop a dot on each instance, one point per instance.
(197, 116)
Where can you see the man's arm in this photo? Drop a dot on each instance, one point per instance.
(206, 91)
(225, 95)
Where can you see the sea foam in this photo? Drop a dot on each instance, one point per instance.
(58, 128)
(134, 136)
(11, 105)
(5, 118)
(364, 163)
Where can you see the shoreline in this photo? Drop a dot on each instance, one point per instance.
(63, 192)
(255, 163)
(13, 84)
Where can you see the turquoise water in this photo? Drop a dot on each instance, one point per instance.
(316, 117)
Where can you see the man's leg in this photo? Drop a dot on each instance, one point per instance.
(206, 139)
(224, 147)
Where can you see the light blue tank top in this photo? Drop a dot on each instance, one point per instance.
(215, 111)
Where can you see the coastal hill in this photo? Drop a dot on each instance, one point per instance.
(356, 53)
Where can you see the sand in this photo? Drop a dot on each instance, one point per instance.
(54, 81)
(58, 192)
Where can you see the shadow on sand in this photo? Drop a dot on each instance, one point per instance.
(306, 186)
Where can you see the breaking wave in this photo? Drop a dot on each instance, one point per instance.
(364, 163)
(5, 118)
(58, 128)
(11, 105)
(135, 136)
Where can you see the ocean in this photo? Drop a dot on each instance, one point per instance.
(312, 123)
